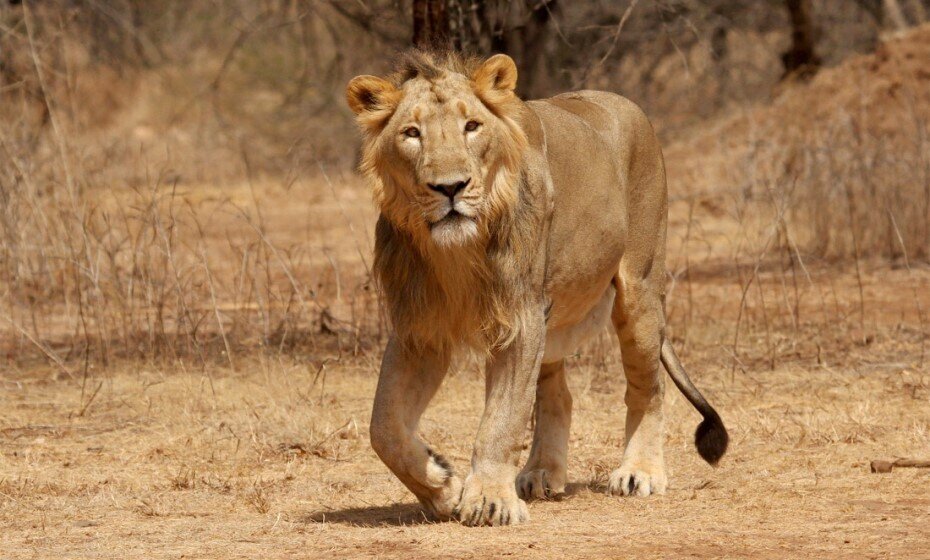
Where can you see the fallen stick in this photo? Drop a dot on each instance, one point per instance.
(883, 466)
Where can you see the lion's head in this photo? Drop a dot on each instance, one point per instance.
(442, 145)
(445, 150)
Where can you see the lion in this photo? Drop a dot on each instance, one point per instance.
(517, 230)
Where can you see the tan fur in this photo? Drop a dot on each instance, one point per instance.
(440, 298)
(504, 223)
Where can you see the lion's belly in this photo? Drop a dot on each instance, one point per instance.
(564, 340)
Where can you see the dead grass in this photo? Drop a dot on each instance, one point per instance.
(194, 273)
(270, 460)
(189, 357)
(838, 168)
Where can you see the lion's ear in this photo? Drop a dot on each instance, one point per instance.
(372, 99)
(498, 73)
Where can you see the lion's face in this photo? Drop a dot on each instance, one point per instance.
(439, 148)
(439, 140)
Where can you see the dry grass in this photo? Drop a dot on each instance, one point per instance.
(273, 459)
(838, 168)
(98, 267)
(188, 273)
(189, 356)
(266, 453)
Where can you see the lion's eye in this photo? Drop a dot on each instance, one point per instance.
(412, 132)
(472, 126)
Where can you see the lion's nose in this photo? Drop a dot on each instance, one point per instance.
(450, 189)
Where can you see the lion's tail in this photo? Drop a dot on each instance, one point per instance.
(711, 437)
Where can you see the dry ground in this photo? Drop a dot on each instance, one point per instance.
(273, 460)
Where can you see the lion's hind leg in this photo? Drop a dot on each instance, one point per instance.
(405, 387)
(546, 470)
(639, 319)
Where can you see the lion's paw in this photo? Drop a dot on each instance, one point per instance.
(490, 504)
(539, 484)
(634, 480)
(442, 504)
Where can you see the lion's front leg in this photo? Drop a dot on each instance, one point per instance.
(490, 494)
(405, 387)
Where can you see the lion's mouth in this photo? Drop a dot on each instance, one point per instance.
(453, 229)
(452, 217)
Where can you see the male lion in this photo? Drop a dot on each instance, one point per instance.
(515, 229)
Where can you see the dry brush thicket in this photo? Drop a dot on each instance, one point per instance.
(174, 185)
(842, 162)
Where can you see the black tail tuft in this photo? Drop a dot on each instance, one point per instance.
(711, 438)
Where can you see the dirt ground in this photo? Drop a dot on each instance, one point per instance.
(273, 460)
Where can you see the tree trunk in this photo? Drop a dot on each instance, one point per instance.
(519, 28)
(801, 59)
(895, 14)
(431, 25)
(920, 13)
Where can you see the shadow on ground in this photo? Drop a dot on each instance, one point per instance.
(397, 515)
(573, 488)
(375, 516)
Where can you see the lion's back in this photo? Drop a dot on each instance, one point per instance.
(621, 124)
(609, 186)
